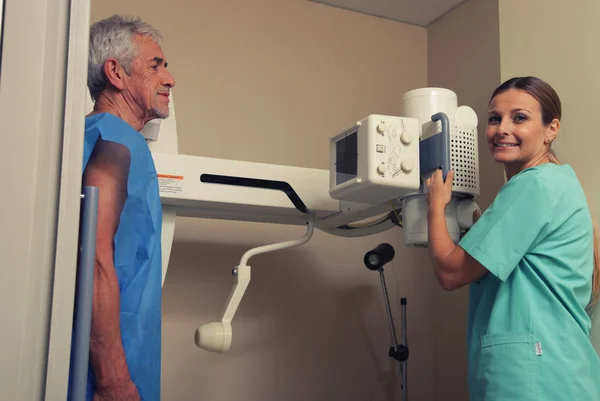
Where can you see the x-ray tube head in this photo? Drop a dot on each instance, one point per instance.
(383, 161)
(422, 104)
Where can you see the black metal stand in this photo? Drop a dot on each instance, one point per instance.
(375, 259)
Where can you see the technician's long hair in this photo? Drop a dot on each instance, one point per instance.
(552, 109)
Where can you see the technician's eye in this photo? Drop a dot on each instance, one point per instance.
(519, 118)
(493, 120)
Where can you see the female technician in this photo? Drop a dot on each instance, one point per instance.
(531, 260)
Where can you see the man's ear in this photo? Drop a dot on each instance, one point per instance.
(552, 130)
(114, 73)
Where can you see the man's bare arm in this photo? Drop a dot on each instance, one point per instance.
(108, 170)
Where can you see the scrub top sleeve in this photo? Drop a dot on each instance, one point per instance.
(511, 226)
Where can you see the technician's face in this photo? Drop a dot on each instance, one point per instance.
(150, 81)
(516, 134)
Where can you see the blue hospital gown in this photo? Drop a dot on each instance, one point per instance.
(137, 255)
(528, 330)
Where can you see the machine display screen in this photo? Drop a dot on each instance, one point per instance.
(346, 158)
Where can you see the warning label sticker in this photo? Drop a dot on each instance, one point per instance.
(171, 184)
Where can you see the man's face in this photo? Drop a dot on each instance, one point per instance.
(150, 82)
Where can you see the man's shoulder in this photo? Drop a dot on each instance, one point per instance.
(114, 129)
(107, 122)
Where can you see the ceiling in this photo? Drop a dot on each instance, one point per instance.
(416, 12)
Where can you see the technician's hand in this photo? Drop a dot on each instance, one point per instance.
(440, 192)
(122, 392)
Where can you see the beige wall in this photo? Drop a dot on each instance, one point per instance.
(463, 55)
(560, 46)
(270, 81)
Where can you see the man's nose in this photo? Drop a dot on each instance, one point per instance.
(168, 80)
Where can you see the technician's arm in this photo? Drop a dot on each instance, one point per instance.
(453, 267)
(108, 170)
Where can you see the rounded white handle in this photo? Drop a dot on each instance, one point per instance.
(214, 337)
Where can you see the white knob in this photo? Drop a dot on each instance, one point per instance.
(381, 128)
(407, 165)
(406, 138)
(381, 169)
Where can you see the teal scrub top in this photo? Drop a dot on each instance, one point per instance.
(528, 329)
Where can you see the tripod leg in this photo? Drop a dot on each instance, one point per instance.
(405, 343)
(386, 300)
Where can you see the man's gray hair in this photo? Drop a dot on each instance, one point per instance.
(113, 38)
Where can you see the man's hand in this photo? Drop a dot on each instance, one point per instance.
(121, 392)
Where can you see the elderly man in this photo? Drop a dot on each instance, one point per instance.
(130, 85)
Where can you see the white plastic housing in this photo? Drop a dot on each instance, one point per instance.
(181, 186)
(375, 161)
(422, 104)
(459, 216)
